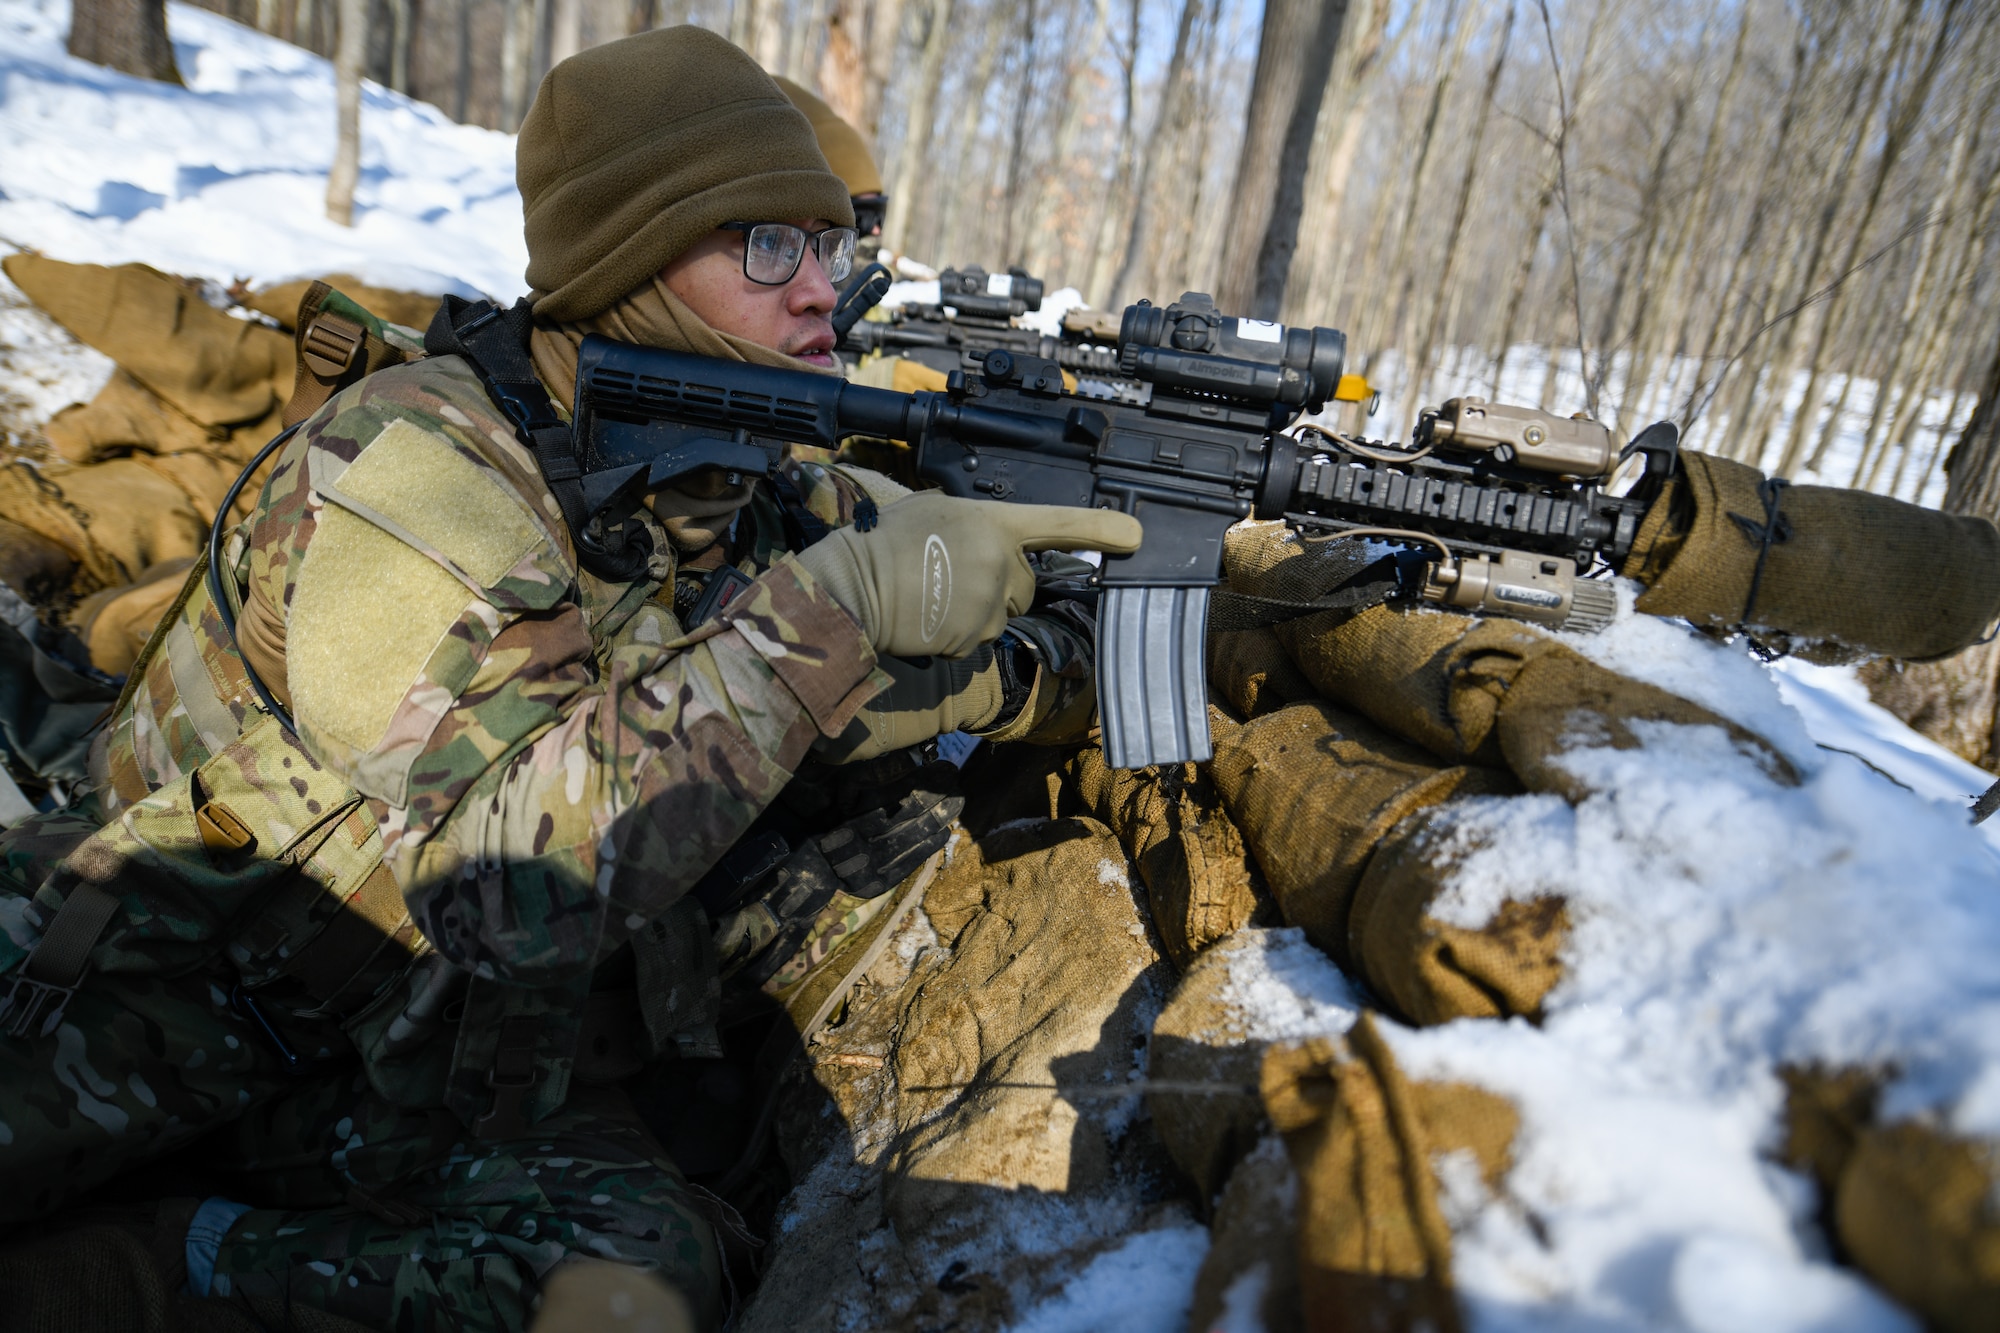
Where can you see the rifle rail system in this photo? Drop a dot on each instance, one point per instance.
(1505, 504)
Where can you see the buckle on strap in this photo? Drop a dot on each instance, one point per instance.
(513, 1078)
(330, 345)
(32, 1008)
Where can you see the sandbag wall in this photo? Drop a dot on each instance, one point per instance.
(1343, 742)
(104, 533)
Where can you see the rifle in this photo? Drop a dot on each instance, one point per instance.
(1507, 502)
(973, 315)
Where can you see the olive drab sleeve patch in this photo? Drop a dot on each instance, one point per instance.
(416, 484)
(368, 614)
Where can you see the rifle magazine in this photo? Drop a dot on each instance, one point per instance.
(1152, 675)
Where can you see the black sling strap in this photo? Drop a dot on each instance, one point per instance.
(494, 342)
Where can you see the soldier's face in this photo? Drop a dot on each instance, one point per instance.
(794, 319)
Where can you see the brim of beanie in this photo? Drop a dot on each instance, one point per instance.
(672, 231)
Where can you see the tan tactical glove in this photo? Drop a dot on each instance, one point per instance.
(931, 696)
(937, 575)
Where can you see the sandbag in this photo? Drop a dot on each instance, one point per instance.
(1016, 1030)
(32, 565)
(1374, 1249)
(596, 1296)
(1430, 971)
(280, 301)
(114, 519)
(1314, 790)
(125, 417)
(1204, 1062)
(214, 368)
(1250, 1276)
(1845, 573)
(1251, 669)
(115, 624)
(1911, 1203)
(1491, 692)
(1171, 823)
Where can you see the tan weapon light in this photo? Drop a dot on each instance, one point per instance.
(1540, 588)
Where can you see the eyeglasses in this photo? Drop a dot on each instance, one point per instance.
(772, 251)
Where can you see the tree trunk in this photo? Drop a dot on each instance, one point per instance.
(1336, 141)
(1388, 327)
(1017, 141)
(1953, 701)
(917, 134)
(461, 91)
(1294, 61)
(565, 30)
(1436, 322)
(885, 35)
(129, 36)
(1120, 191)
(965, 129)
(1902, 122)
(842, 80)
(517, 50)
(401, 33)
(353, 49)
(1076, 104)
(1662, 315)
(1175, 93)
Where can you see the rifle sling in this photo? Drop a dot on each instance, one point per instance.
(494, 342)
(62, 955)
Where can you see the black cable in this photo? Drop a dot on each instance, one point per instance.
(215, 588)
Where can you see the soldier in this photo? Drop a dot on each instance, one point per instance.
(847, 154)
(400, 928)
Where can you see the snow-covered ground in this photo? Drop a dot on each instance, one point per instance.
(226, 178)
(1723, 924)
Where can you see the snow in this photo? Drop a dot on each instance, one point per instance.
(1282, 988)
(42, 368)
(226, 178)
(1723, 924)
(1046, 319)
(1144, 1285)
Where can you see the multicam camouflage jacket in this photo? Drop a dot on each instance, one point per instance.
(505, 770)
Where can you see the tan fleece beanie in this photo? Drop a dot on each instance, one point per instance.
(636, 149)
(846, 151)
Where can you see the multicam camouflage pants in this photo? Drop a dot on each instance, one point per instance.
(397, 1219)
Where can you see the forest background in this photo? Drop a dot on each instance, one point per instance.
(1769, 220)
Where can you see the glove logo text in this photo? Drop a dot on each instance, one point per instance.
(937, 585)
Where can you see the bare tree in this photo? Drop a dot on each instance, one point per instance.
(971, 106)
(517, 50)
(1953, 701)
(129, 36)
(340, 181)
(1294, 63)
(885, 35)
(841, 80)
(917, 135)
(1176, 106)
(565, 30)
